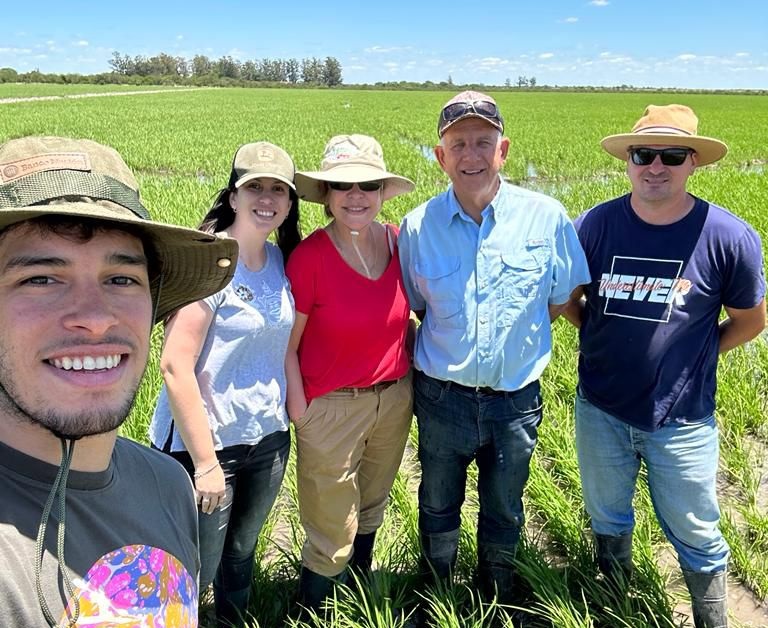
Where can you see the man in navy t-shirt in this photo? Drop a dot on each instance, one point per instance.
(663, 264)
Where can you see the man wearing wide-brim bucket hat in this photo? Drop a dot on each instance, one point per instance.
(84, 273)
(487, 265)
(664, 264)
(352, 319)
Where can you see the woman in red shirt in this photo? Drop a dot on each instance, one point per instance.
(353, 413)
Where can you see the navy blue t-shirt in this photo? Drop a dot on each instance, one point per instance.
(649, 336)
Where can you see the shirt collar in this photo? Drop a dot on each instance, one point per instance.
(453, 207)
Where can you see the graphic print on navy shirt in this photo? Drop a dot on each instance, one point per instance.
(643, 289)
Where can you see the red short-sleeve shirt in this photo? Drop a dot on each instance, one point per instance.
(356, 327)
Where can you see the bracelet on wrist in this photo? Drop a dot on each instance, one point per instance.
(199, 474)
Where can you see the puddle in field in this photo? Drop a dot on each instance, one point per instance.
(753, 167)
(428, 152)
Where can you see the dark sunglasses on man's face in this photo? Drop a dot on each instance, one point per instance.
(365, 186)
(483, 108)
(669, 156)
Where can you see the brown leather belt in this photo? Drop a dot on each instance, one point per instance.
(366, 389)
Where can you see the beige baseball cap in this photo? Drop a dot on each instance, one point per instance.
(262, 159)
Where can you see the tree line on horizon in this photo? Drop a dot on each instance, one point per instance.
(165, 69)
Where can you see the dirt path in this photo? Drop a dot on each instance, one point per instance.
(6, 101)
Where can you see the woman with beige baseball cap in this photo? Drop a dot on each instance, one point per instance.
(353, 412)
(221, 412)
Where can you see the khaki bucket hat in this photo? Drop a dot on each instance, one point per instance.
(43, 176)
(667, 125)
(351, 159)
(262, 159)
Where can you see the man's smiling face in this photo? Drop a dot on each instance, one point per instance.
(75, 322)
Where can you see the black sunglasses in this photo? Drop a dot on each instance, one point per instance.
(483, 108)
(346, 186)
(669, 156)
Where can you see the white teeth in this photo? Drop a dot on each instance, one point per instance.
(87, 362)
(265, 214)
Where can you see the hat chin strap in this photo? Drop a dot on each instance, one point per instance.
(59, 489)
(355, 235)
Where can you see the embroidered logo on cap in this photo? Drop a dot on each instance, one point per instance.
(342, 151)
(265, 154)
(40, 163)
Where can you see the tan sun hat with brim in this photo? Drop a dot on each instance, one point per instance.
(351, 159)
(667, 125)
(262, 159)
(55, 176)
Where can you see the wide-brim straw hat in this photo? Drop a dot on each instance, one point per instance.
(350, 159)
(667, 125)
(55, 176)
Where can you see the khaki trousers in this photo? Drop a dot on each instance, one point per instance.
(349, 447)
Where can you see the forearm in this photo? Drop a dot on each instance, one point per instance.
(296, 402)
(734, 334)
(741, 326)
(573, 311)
(190, 418)
(555, 310)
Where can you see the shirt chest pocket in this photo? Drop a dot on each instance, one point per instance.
(524, 276)
(438, 280)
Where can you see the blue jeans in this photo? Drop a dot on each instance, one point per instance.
(681, 460)
(499, 432)
(228, 536)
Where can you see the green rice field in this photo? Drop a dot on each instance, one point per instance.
(180, 144)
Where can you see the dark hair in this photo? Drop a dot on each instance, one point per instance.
(221, 216)
(81, 229)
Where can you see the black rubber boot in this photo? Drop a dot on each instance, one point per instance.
(314, 589)
(231, 607)
(496, 573)
(614, 558)
(438, 555)
(709, 598)
(362, 558)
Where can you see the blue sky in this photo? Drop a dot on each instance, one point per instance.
(655, 43)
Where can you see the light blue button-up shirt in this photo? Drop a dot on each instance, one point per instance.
(486, 289)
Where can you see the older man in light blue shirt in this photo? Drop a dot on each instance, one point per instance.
(487, 266)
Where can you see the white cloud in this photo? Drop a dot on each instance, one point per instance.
(546, 55)
(179, 37)
(82, 43)
(571, 20)
(380, 49)
(355, 68)
(15, 51)
(599, 3)
(742, 54)
(685, 57)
